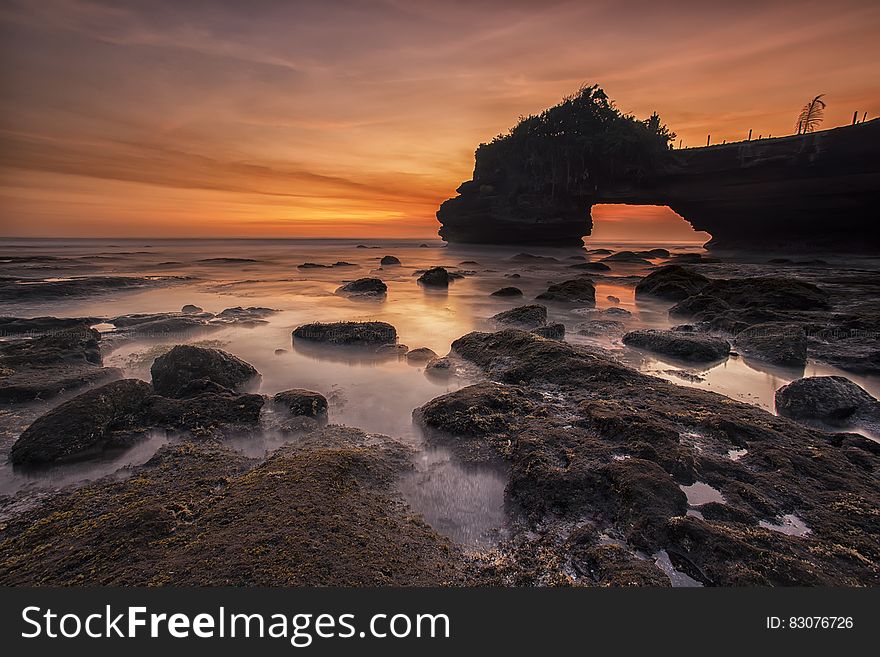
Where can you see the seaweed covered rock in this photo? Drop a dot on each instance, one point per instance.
(577, 290)
(775, 343)
(83, 425)
(173, 371)
(531, 316)
(682, 345)
(347, 333)
(199, 515)
(363, 287)
(671, 283)
(435, 277)
(605, 451)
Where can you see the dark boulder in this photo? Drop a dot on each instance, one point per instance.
(775, 343)
(83, 425)
(172, 371)
(683, 345)
(435, 277)
(531, 316)
(671, 283)
(190, 309)
(302, 402)
(363, 287)
(389, 260)
(576, 290)
(347, 333)
(601, 328)
(834, 400)
(507, 292)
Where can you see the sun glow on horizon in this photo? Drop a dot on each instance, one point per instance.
(304, 119)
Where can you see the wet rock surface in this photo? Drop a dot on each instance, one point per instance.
(435, 277)
(389, 260)
(597, 450)
(363, 287)
(178, 368)
(577, 290)
(682, 345)
(555, 331)
(347, 333)
(202, 515)
(528, 317)
(302, 402)
(420, 355)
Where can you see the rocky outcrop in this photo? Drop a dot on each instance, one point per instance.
(671, 283)
(597, 451)
(363, 287)
(766, 193)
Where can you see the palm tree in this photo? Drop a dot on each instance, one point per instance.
(811, 115)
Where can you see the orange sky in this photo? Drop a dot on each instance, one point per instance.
(169, 118)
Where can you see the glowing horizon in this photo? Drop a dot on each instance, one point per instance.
(305, 120)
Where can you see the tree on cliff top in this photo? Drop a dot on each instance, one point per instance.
(575, 146)
(811, 115)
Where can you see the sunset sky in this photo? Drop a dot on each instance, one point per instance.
(357, 118)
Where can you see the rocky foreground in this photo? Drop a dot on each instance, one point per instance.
(614, 478)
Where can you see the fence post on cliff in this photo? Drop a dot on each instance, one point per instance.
(750, 135)
(864, 117)
(855, 117)
(708, 137)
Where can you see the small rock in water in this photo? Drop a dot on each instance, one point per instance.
(389, 260)
(420, 355)
(507, 292)
(613, 299)
(671, 283)
(363, 287)
(577, 290)
(529, 317)
(279, 352)
(190, 309)
(591, 266)
(347, 333)
(435, 277)
(302, 402)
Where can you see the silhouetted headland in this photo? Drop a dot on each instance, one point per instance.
(538, 183)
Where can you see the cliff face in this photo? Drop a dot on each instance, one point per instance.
(820, 190)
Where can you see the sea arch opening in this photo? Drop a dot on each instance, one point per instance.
(641, 224)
